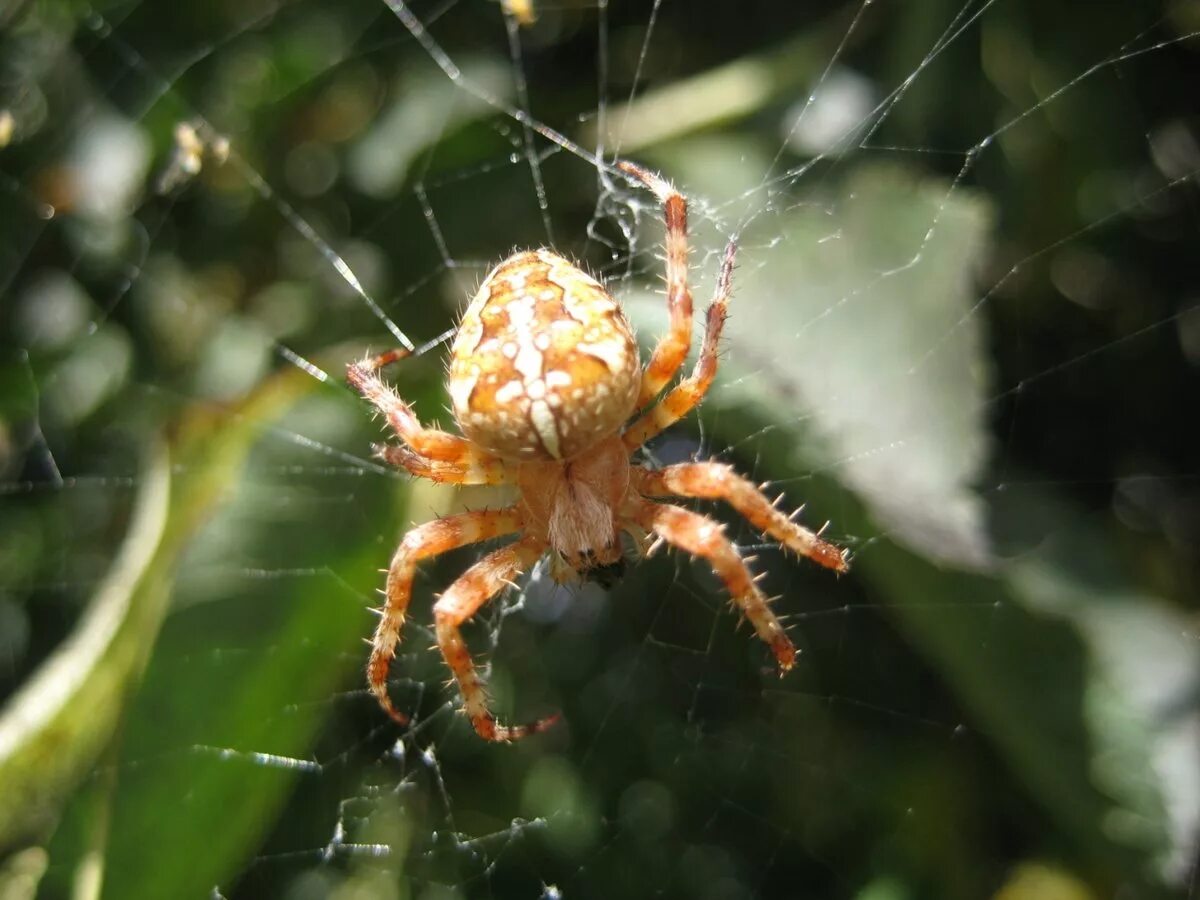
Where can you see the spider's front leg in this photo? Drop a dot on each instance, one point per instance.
(462, 600)
(456, 453)
(701, 536)
(672, 349)
(478, 469)
(715, 481)
(431, 539)
(686, 395)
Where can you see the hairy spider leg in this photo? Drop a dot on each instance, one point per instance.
(431, 539)
(672, 348)
(480, 470)
(686, 395)
(431, 443)
(716, 481)
(701, 536)
(462, 600)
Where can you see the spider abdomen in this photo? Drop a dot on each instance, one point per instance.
(545, 364)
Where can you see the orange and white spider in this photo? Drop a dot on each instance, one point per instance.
(544, 380)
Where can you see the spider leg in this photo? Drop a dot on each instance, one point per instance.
(462, 600)
(430, 539)
(479, 470)
(431, 443)
(715, 481)
(672, 348)
(701, 536)
(686, 395)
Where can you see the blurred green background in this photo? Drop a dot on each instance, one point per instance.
(965, 332)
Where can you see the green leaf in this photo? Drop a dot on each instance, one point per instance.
(185, 718)
(54, 728)
(244, 672)
(856, 354)
(862, 320)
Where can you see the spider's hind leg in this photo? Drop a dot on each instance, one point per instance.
(424, 541)
(701, 536)
(462, 600)
(717, 481)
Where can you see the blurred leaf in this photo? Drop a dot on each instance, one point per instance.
(1142, 677)
(1033, 881)
(686, 107)
(860, 315)
(861, 319)
(53, 729)
(427, 106)
(57, 725)
(1002, 672)
(242, 679)
(871, 335)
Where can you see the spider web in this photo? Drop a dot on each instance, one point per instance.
(963, 332)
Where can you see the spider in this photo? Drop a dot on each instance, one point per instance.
(545, 381)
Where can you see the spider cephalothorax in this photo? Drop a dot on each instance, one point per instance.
(544, 380)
